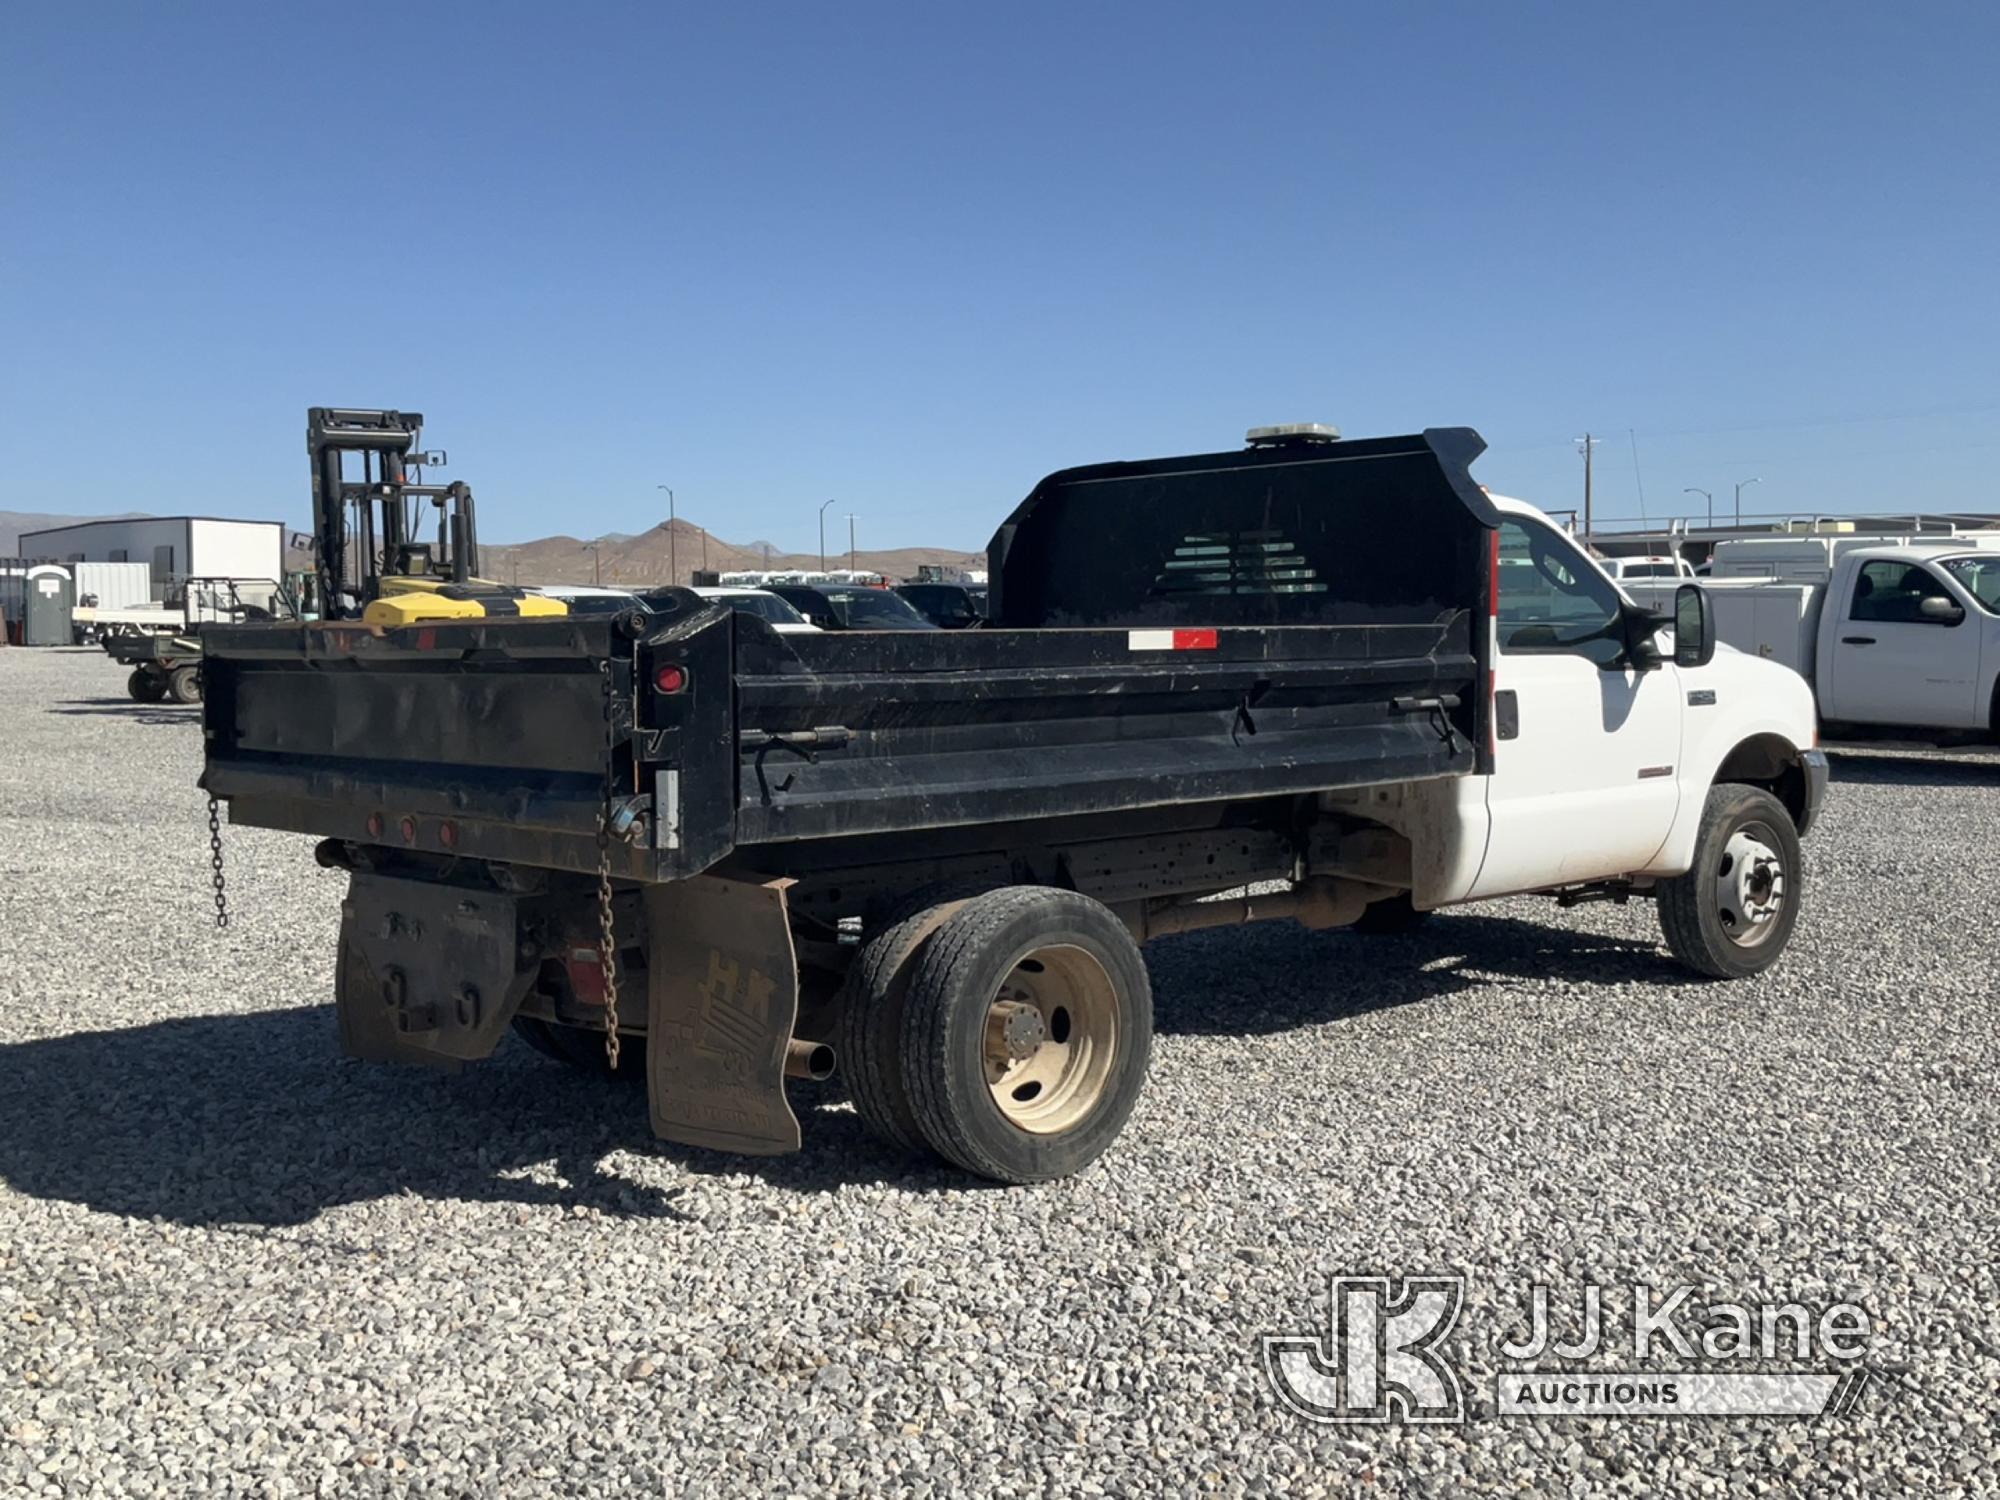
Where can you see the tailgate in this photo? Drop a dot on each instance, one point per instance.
(484, 739)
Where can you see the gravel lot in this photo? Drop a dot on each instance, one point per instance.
(232, 1261)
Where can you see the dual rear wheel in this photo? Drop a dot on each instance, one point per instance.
(1008, 1032)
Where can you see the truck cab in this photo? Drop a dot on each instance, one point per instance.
(1608, 734)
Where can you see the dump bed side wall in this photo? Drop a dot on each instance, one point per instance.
(978, 726)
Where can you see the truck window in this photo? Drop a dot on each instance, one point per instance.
(1891, 592)
(1549, 600)
(1979, 577)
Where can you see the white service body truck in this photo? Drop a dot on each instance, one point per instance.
(1897, 636)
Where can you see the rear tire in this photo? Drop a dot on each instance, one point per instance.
(869, 1032)
(1394, 916)
(1731, 915)
(144, 686)
(184, 684)
(1026, 1033)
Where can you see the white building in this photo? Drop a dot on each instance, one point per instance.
(176, 547)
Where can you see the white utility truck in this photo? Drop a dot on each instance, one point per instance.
(1898, 635)
(1318, 680)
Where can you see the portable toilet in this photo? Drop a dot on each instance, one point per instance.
(45, 616)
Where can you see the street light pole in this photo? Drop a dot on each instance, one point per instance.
(822, 534)
(1739, 497)
(673, 557)
(850, 542)
(1692, 490)
(1584, 445)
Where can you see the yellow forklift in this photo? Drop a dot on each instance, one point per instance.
(392, 550)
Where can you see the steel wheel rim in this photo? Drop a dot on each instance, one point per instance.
(1050, 1039)
(1750, 886)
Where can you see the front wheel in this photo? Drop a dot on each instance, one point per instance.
(184, 684)
(1732, 913)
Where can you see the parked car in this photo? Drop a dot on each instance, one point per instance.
(851, 606)
(590, 599)
(766, 606)
(949, 606)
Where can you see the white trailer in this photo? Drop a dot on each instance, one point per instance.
(173, 548)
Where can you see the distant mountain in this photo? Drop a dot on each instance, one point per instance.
(14, 522)
(638, 561)
(619, 559)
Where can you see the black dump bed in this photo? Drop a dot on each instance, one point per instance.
(1266, 622)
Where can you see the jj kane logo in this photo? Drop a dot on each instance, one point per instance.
(1385, 1354)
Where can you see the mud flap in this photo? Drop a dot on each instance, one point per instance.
(425, 972)
(722, 997)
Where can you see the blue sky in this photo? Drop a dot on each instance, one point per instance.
(913, 257)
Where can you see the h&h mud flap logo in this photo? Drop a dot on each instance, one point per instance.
(1382, 1357)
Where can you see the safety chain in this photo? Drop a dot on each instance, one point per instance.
(215, 862)
(607, 949)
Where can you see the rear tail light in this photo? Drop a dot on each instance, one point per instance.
(671, 678)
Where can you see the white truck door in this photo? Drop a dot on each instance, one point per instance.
(1893, 663)
(1586, 753)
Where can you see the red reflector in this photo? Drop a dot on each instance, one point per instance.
(670, 678)
(375, 825)
(409, 830)
(586, 975)
(448, 835)
(1194, 640)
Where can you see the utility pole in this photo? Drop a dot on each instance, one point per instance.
(1692, 490)
(1584, 445)
(704, 549)
(1739, 497)
(673, 559)
(822, 534)
(850, 541)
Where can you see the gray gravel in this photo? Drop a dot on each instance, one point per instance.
(232, 1261)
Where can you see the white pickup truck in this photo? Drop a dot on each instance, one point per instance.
(1898, 635)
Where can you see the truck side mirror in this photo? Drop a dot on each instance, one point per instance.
(1694, 627)
(1935, 609)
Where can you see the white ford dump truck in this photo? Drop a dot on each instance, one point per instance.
(1899, 636)
(680, 842)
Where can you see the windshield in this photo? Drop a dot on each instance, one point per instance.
(875, 609)
(765, 607)
(1979, 577)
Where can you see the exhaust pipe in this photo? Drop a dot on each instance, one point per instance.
(812, 1060)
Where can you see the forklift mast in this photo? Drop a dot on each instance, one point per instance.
(386, 531)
